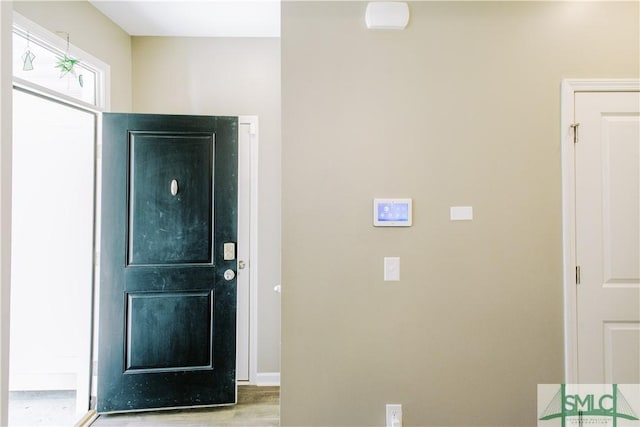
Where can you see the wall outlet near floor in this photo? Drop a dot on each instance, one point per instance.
(394, 415)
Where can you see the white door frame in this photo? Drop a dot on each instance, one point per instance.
(252, 121)
(6, 95)
(567, 108)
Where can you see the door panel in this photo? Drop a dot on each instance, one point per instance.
(621, 352)
(167, 228)
(621, 211)
(157, 342)
(608, 236)
(167, 315)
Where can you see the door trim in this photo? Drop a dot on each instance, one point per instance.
(252, 121)
(567, 107)
(6, 96)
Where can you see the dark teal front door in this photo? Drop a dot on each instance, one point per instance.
(167, 309)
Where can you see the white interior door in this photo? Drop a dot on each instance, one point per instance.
(607, 179)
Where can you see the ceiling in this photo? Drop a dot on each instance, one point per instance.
(194, 18)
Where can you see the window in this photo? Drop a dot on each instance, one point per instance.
(50, 63)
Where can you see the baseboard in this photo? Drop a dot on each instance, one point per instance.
(88, 419)
(268, 378)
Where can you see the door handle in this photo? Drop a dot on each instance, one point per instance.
(241, 265)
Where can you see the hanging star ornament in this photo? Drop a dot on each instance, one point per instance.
(66, 65)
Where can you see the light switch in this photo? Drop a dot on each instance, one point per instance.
(392, 269)
(461, 213)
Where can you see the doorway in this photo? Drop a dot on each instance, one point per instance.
(52, 259)
(97, 98)
(55, 122)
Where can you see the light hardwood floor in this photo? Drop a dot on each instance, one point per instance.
(257, 406)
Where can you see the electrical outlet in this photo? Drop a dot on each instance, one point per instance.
(394, 415)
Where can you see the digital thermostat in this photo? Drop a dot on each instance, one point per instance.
(392, 212)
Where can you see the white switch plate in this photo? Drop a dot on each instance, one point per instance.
(392, 269)
(461, 213)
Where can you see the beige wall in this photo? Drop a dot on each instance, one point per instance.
(227, 76)
(461, 108)
(92, 32)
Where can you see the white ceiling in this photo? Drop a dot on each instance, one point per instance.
(194, 18)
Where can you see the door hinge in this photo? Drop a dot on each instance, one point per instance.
(577, 274)
(575, 132)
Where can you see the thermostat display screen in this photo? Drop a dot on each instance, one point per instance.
(392, 212)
